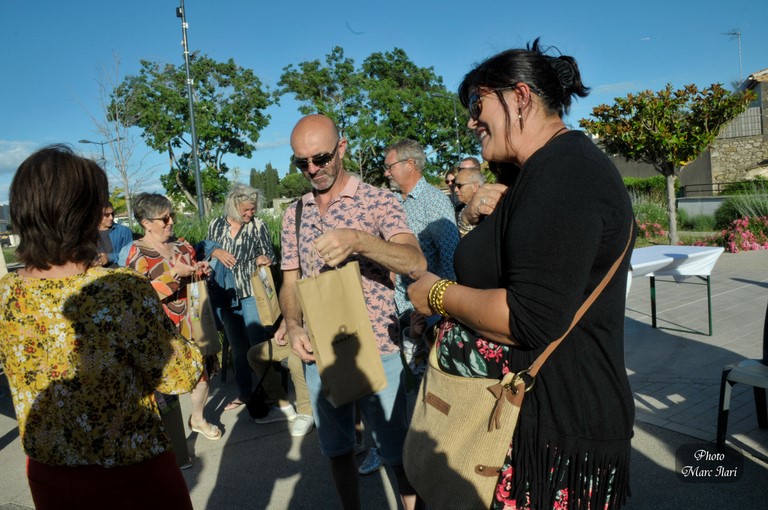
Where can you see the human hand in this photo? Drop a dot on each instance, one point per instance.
(483, 203)
(418, 292)
(101, 259)
(203, 268)
(263, 260)
(224, 257)
(300, 344)
(280, 338)
(336, 245)
(181, 269)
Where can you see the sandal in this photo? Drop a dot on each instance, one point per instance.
(234, 405)
(211, 432)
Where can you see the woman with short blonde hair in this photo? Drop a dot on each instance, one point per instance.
(241, 243)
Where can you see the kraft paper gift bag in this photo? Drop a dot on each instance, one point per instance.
(3, 266)
(342, 338)
(201, 318)
(266, 295)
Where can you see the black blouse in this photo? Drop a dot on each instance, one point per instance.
(551, 240)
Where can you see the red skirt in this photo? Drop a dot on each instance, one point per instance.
(153, 483)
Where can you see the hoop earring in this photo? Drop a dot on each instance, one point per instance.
(520, 117)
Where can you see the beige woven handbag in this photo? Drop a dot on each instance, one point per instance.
(462, 427)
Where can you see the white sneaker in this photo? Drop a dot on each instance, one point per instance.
(276, 414)
(302, 425)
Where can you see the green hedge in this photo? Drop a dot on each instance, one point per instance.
(757, 185)
(655, 188)
(741, 206)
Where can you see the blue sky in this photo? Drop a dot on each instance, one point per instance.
(52, 51)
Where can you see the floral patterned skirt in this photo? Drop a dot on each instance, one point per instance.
(461, 353)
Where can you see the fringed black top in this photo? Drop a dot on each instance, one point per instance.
(554, 236)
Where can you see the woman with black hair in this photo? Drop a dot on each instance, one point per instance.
(524, 271)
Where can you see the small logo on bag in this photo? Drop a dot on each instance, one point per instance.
(438, 403)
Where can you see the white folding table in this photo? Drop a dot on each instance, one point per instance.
(679, 262)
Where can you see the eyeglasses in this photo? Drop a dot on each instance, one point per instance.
(388, 167)
(165, 219)
(459, 185)
(449, 182)
(475, 103)
(319, 160)
(107, 214)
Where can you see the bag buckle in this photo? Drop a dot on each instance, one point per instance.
(518, 378)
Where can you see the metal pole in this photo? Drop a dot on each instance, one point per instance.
(198, 180)
(736, 34)
(456, 124)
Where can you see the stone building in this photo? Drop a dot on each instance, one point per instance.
(741, 149)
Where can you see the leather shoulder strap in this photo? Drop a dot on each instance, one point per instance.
(299, 206)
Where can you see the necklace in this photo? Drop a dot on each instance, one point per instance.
(165, 250)
(556, 133)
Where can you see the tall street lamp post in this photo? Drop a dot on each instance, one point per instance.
(198, 180)
(101, 144)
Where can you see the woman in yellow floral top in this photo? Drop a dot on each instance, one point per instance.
(84, 348)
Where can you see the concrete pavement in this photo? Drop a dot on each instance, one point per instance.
(675, 375)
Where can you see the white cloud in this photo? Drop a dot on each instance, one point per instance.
(12, 153)
(282, 142)
(617, 87)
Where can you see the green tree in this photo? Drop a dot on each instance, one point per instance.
(667, 129)
(387, 98)
(118, 198)
(229, 115)
(256, 179)
(267, 181)
(294, 185)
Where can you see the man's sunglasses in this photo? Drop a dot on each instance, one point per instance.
(319, 160)
(165, 219)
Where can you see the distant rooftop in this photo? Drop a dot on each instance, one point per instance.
(759, 76)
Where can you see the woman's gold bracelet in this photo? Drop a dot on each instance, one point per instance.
(436, 295)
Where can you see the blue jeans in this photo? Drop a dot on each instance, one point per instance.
(244, 330)
(384, 411)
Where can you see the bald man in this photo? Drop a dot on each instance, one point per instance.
(468, 181)
(342, 217)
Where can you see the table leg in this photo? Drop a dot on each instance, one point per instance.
(653, 301)
(709, 306)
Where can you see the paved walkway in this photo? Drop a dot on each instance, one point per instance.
(675, 376)
(675, 369)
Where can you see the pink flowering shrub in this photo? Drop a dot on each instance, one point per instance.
(650, 230)
(744, 234)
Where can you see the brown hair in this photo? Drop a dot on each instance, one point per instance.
(56, 202)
